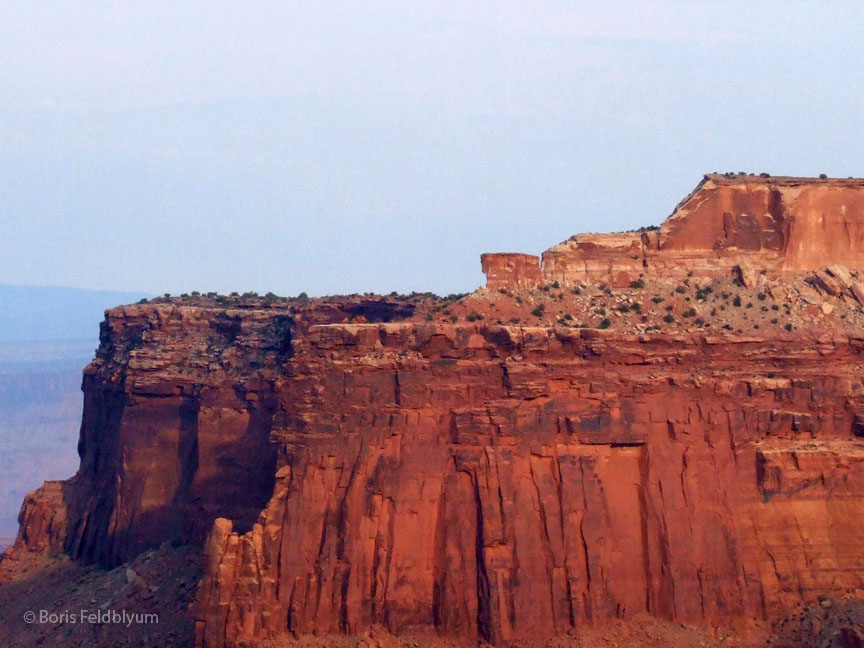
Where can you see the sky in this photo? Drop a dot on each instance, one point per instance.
(359, 146)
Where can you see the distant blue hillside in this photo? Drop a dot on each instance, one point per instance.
(54, 313)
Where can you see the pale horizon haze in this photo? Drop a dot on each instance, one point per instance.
(376, 146)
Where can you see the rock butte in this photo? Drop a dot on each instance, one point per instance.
(784, 225)
(491, 481)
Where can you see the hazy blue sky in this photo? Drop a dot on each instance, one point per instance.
(353, 146)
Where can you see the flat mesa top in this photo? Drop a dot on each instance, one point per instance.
(737, 178)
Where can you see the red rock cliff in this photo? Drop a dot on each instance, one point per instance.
(782, 225)
(479, 479)
(566, 477)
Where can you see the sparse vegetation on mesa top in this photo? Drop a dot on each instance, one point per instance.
(664, 305)
(644, 228)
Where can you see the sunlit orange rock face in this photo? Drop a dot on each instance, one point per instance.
(511, 270)
(565, 477)
(484, 480)
(782, 225)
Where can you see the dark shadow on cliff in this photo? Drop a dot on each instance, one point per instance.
(92, 499)
(238, 484)
(830, 623)
(381, 311)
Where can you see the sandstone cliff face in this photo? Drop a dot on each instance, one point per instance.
(175, 432)
(566, 477)
(483, 480)
(511, 270)
(782, 225)
(178, 411)
(348, 463)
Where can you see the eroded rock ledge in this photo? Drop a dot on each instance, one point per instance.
(781, 225)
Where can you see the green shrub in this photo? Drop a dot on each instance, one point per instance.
(605, 323)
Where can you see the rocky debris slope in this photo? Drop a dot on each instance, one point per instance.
(160, 582)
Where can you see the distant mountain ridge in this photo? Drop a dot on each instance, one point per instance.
(54, 312)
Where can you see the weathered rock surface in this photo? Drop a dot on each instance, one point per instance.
(511, 270)
(566, 477)
(485, 480)
(782, 225)
(178, 410)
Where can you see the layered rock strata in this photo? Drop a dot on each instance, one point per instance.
(565, 477)
(781, 225)
(485, 480)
